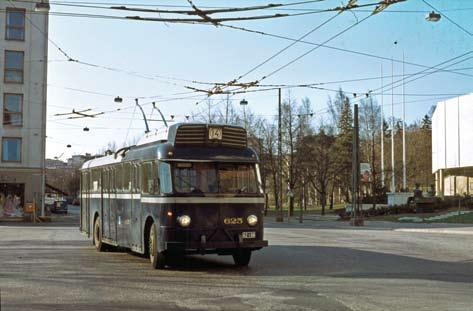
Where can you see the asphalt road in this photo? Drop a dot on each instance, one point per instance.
(314, 266)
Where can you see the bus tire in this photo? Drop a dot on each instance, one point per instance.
(242, 257)
(157, 259)
(97, 236)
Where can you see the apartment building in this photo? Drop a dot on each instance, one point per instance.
(23, 91)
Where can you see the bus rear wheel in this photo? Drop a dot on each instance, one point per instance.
(242, 257)
(157, 259)
(98, 236)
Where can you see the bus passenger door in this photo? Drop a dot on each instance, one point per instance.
(113, 205)
(135, 215)
(106, 203)
(84, 212)
(85, 204)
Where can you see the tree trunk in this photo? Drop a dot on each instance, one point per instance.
(323, 201)
(373, 172)
(276, 192)
(291, 205)
(331, 198)
(305, 196)
(266, 204)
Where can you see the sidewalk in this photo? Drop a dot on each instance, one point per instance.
(460, 231)
(330, 222)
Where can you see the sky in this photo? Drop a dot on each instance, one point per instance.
(155, 62)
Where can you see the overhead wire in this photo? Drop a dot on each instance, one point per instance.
(272, 35)
(331, 47)
(392, 84)
(313, 49)
(449, 19)
(58, 47)
(287, 47)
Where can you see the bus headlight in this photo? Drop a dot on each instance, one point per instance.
(184, 220)
(252, 220)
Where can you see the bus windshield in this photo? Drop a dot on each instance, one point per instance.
(200, 178)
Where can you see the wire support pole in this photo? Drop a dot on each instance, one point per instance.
(382, 131)
(393, 173)
(404, 168)
(357, 214)
(279, 218)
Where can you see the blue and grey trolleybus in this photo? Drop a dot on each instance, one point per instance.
(190, 189)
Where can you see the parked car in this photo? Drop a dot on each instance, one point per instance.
(59, 207)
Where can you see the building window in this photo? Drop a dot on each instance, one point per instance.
(15, 25)
(14, 62)
(11, 149)
(12, 109)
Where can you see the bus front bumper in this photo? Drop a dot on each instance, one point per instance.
(223, 247)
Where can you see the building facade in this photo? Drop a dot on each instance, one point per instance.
(452, 149)
(23, 92)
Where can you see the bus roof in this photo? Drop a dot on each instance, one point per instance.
(179, 134)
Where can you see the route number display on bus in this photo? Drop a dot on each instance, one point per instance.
(215, 133)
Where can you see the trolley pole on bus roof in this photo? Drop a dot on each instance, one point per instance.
(279, 203)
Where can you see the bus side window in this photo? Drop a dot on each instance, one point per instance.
(155, 177)
(126, 177)
(112, 179)
(105, 180)
(93, 181)
(144, 177)
(84, 187)
(165, 179)
(147, 177)
(119, 178)
(136, 178)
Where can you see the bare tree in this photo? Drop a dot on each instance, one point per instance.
(370, 124)
(319, 150)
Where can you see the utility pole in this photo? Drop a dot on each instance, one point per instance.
(279, 218)
(357, 216)
(45, 10)
(382, 128)
(226, 109)
(404, 169)
(393, 177)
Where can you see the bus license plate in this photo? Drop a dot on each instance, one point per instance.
(248, 235)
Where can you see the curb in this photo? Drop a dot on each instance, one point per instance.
(438, 231)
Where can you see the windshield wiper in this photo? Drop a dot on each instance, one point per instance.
(196, 190)
(242, 190)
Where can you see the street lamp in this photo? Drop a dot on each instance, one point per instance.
(42, 7)
(433, 17)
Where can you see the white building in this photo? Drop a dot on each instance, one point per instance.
(452, 146)
(23, 67)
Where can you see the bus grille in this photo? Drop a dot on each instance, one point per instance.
(196, 134)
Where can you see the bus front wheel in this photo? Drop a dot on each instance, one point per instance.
(98, 236)
(157, 259)
(242, 257)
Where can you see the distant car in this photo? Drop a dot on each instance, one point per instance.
(59, 207)
(69, 200)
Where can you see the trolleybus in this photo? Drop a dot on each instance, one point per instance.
(190, 189)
